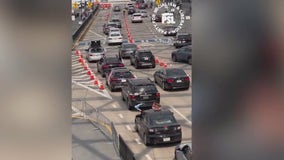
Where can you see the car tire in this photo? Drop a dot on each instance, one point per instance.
(131, 63)
(136, 65)
(163, 86)
(128, 105)
(135, 127)
(189, 61)
(154, 65)
(155, 80)
(174, 58)
(122, 97)
(145, 140)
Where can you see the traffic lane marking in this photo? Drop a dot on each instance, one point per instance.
(148, 157)
(180, 114)
(120, 115)
(138, 141)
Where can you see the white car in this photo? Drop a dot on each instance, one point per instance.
(143, 13)
(114, 38)
(95, 54)
(136, 17)
(114, 30)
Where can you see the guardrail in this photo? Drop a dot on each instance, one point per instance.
(107, 127)
(82, 27)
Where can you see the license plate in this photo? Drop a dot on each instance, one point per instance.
(146, 58)
(166, 139)
(146, 64)
(123, 80)
(183, 41)
(178, 81)
(145, 97)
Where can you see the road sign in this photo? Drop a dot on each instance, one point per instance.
(75, 5)
(90, 4)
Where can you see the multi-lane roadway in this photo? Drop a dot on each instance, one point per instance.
(116, 110)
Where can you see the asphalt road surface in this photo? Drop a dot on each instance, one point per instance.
(115, 109)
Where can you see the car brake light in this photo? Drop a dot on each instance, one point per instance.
(157, 94)
(170, 80)
(131, 96)
(121, 65)
(105, 66)
(186, 78)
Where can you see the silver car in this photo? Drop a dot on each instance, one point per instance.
(95, 54)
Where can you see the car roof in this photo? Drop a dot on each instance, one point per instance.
(140, 81)
(138, 14)
(179, 34)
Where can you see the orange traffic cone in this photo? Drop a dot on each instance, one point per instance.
(81, 56)
(161, 63)
(77, 53)
(102, 86)
(92, 77)
(165, 65)
(80, 60)
(156, 60)
(96, 81)
(89, 72)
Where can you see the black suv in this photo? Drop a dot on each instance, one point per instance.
(105, 64)
(182, 40)
(139, 90)
(158, 126)
(117, 77)
(142, 58)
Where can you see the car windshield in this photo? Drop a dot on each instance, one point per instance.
(145, 88)
(132, 46)
(123, 74)
(112, 60)
(175, 72)
(162, 119)
(145, 54)
(183, 36)
(115, 35)
(96, 50)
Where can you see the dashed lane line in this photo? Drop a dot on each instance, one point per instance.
(187, 120)
(148, 157)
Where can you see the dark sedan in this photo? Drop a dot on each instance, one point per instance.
(126, 49)
(105, 64)
(172, 78)
(182, 39)
(183, 151)
(170, 31)
(183, 54)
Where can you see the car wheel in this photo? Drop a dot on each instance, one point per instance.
(129, 105)
(111, 88)
(174, 58)
(122, 97)
(136, 65)
(155, 80)
(154, 65)
(145, 140)
(163, 86)
(131, 63)
(135, 127)
(189, 61)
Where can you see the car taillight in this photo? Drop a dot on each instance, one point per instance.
(186, 78)
(131, 96)
(157, 94)
(105, 66)
(121, 65)
(170, 80)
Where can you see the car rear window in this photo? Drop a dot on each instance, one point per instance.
(144, 54)
(94, 50)
(145, 88)
(130, 46)
(175, 72)
(162, 119)
(115, 20)
(112, 60)
(183, 37)
(136, 15)
(115, 35)
(124, 74)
